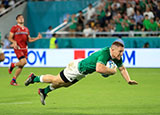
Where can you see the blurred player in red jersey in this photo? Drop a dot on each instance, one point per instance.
(19, 36)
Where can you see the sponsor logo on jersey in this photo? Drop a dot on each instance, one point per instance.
(18, 33)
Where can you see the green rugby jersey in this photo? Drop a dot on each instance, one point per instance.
(88, 65)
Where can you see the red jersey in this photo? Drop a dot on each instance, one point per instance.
(20, 35)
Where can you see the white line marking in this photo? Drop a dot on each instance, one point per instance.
(16, 103)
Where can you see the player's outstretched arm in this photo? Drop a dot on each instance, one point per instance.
(126, 76)
(34, 39)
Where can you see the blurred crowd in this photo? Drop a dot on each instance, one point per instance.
(4, 4)
(46, 0)
(118, 16)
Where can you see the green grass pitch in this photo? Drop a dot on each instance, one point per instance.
(93, 95)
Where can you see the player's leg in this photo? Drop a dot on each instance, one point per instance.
(66, 78)
(56, 82)
(69, 74)
(20, 65)
(21, 54)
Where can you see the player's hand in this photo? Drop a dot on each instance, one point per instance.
(14, 45)
(39, 36)
(114, 70)
(132, 82)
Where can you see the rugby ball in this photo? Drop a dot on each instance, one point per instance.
(110, 64)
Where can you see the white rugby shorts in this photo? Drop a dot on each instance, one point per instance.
(71, 72)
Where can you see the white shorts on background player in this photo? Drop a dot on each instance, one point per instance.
(1, 50)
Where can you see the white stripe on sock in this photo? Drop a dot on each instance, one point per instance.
(52, 88)
(41, 78)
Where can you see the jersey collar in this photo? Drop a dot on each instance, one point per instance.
(22, 26)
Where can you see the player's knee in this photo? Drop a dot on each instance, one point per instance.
(56, 80)
(23, 63)
(21, 67)
(57, 83)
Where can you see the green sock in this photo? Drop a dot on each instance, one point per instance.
(48, 89)
(36, 79)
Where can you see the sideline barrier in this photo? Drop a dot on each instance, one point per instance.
(134, 58)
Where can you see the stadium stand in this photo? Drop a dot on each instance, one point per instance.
(106, 19)
(8, 5)
(131, 16)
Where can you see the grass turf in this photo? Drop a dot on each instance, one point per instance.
(93, 95)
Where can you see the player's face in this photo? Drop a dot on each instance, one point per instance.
(20, 20)
(118, 52)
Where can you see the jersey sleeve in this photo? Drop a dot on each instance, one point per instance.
(103, 59)
(13, 29)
